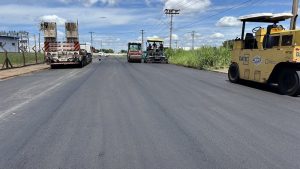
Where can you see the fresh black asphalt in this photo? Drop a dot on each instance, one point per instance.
(116, 115)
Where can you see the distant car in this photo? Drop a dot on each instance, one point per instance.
(101, 53)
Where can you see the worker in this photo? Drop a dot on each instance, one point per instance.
(154, 46)
(149, 47)
(161, 47)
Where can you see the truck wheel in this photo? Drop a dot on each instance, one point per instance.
(81, 64)
(233, 73)
(288, 82)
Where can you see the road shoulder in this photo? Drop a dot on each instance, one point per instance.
(225, 71)
(10, 73)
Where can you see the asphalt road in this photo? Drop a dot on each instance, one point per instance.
(116, 115)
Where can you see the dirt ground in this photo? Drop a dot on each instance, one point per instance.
(5, 74)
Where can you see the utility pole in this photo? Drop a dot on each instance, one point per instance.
(39, 42)
(171, 12)
(193, 40)
(176, 42)
(143, 32)
(295, 15)
(101, 46)
(35, 50)
(92, 38)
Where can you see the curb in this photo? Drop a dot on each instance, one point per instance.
(12, 76)
(216, 71)
(209, 70)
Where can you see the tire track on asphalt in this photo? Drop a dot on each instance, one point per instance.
(48, 88)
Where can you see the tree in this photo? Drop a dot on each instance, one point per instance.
(123, 51)
(228, 44)
(107, 50)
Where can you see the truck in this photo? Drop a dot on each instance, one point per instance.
(63, 53)
(134, 52)
(155, 51)
(269, 55)
(89, 51)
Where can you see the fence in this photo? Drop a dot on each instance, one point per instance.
(20, 59)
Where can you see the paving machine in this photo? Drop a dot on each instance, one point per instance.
(155, 51)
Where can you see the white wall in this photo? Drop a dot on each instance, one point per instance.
(9, 44)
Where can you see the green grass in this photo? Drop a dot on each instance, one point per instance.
(204, 58)
(17, 59)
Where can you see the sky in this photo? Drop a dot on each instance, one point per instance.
(116, 22)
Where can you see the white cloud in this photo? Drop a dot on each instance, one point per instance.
(89, 17)
(65, 1)
(175, 37)
(188, 6)
(228, 21)
(188, 36)
(154, 36)
(217, 36)
(110, 2)
(89, 3)
(148, 2)
(53, 18)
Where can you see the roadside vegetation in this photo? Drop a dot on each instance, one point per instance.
(17, 59)
(206, 57)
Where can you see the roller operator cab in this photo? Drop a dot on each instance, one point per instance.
(135, 52)
(269, 55)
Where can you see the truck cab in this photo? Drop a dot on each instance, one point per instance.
(269, 55)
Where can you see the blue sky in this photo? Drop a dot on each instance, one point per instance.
(115, 22)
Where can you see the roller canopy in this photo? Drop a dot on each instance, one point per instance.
(266, 17)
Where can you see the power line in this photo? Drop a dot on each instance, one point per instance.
(185, 5)
(210, 16)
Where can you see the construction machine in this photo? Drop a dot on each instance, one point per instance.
(269, 55)
(155, 51)
(134, 53)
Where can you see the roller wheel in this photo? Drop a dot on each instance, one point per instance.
(288, 82)
(233, 73)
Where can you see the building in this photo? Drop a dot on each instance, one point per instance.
(14, 41)
(11, 43)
